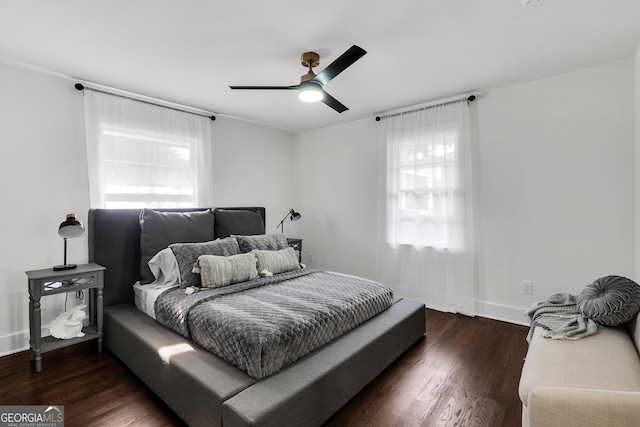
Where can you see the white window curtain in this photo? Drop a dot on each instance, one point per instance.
(144, 155)
(427, 236)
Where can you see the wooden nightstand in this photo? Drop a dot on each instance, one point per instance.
(296, 244)
(47, 282)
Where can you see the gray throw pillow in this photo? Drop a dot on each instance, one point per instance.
(264, 242)
(160, 229)
(610, 300)
(187, 254)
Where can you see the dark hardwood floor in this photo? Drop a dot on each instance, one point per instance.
(465, 372)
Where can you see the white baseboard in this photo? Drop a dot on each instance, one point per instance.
(15, 343)
(503, 313)
(486, 309)
(18, 342)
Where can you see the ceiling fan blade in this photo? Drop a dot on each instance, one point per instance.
(340, 64)
(266, 87)
(333, 103)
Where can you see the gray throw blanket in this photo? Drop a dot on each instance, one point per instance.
(561, 319)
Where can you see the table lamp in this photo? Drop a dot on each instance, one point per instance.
(69, 229)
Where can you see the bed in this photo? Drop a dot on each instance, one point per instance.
(199, 386)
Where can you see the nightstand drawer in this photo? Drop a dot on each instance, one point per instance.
(49, 282)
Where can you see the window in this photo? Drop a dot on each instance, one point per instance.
(146, 169)
(427, 187)
(426, 241)
(426, 178)
(143, 155)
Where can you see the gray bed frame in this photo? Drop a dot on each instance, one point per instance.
(205, 390)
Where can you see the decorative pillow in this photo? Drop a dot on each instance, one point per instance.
(263, 242)
(234, 221)
(610, 300)
(165, 268)
(277, 261)
(160, 229)
(216, 271)
(187, 254)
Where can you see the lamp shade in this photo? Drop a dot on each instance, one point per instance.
(295, 215)
(71, 227)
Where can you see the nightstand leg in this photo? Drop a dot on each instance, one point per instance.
(31, 341)
(36, 332)
(99, 318)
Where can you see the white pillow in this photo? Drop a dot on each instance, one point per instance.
(165, 269)
(216, 271)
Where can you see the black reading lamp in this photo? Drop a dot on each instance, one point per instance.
(293, 216)
(69, 229)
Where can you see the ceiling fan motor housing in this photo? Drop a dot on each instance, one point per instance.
(309, 59)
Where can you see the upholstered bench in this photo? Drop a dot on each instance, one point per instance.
(593, 381)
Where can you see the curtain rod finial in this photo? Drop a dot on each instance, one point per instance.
(79, 86)
(378, 118)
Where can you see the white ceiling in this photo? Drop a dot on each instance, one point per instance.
(189, 52)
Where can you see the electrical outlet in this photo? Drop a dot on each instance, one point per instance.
(527, 287)
(310, 257)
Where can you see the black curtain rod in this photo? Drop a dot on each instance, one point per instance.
(471, 98)
(80, 86)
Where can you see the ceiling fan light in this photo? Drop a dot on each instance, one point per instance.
(310, 93)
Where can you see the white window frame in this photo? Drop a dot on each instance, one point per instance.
(426, 210)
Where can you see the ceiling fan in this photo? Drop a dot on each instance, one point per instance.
(311, 85)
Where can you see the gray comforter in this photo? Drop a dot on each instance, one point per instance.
(265, 324)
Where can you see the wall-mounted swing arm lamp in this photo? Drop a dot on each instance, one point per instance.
(293, 216)
(69, 229)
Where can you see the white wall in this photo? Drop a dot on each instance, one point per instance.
(43, 167)
(637, 157)
(336, 173)
(555, 188)
(556, 185)
(44, 177)
(253, 165)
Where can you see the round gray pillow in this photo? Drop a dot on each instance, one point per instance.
(610, 300)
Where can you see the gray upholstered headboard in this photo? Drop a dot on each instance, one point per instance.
(114, 242)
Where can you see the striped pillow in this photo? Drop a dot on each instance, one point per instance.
(277, 261)
(216, 271)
